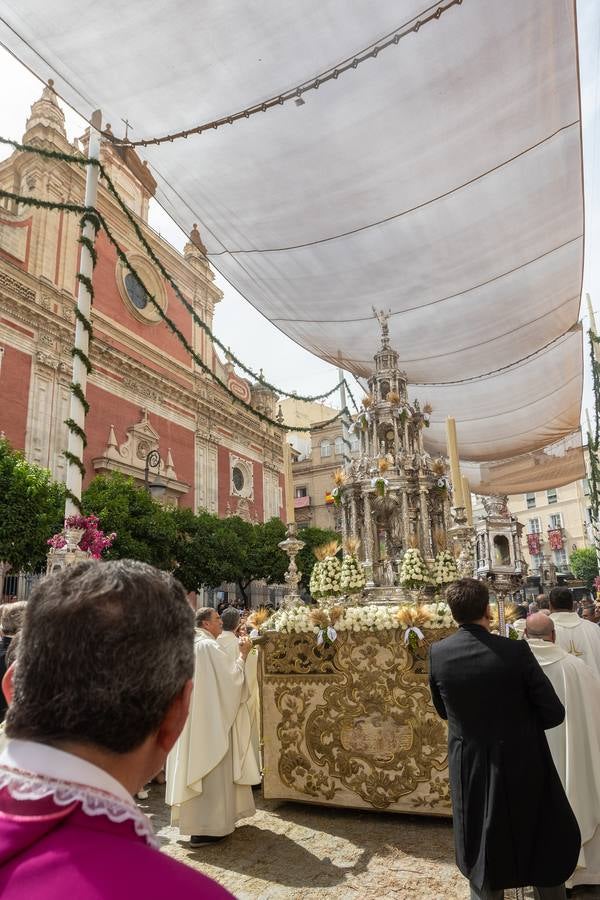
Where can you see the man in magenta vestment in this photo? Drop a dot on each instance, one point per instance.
(98, 697)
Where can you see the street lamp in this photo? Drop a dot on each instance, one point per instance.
(158, 487)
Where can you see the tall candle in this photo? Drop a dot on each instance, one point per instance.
(467, 499)
(457, 488)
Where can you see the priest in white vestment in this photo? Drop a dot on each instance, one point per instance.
(575, 745)
(245, 728)
(208, 785)
(577, 636)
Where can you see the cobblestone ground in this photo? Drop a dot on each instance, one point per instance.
(290, 851)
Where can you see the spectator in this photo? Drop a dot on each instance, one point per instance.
(497, 702)
(11, 622)
(101, 692)
(574, 634)
(521, 618)
(575, 745)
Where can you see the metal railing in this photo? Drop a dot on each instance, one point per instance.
(18, 586)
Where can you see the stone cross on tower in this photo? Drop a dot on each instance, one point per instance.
(382, 317)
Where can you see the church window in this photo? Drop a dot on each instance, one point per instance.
(135, 291)
(325, 448)
(237, 477)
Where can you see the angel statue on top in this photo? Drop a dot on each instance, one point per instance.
(382, 317)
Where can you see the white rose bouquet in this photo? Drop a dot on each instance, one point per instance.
(352, 578)
(445, 570)
(414, 573)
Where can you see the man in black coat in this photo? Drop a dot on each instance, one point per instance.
(513, 825)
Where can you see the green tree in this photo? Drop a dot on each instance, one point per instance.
(584, 564)
(312, 537)
(31, 510)
(248, 552)
(197, 549)
(145, 530)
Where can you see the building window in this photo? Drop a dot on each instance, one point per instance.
(339, 446)
(354, 443)
(552, 495)
(325, 448)
(530, 501)
(536, 563)
(560, 558)
(301, 491)
(533, 526)
(556, 520)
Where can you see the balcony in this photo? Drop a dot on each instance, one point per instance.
(301, 502)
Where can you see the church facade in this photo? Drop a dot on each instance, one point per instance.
(145, 393)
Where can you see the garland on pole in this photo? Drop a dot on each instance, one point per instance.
(85, 161)
(93, 215)
(593, 444)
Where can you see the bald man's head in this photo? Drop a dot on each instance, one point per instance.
(540, 626)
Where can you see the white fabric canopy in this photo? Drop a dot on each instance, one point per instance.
(441, 180)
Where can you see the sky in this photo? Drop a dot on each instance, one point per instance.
(239, 325)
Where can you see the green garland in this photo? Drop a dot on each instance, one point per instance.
(75, 461)
(84, 321)
(75, 351)
(89, 216)
(78, 391)
(74, 427)
(92, 215)
(197, 359)
(593, 441)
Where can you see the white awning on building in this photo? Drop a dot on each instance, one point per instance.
(441, 179)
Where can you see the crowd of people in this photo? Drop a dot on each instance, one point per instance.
(110, 678)
(532, 703)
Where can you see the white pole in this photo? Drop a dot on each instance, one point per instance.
(345, 432)
(84, 305)
(594, 522)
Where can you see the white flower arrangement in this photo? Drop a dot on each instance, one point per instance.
(331, 570)
(414, 573)
(445, 570)
(315, 580)
(298, 619)
(352, 578)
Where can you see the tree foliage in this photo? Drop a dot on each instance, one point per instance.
(201, 549)
(31, 510)
(584, 564)
(145, 530)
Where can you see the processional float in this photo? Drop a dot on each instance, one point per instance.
(347, 718)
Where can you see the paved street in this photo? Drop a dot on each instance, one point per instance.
(290, 851)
